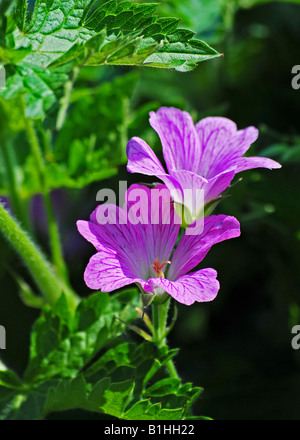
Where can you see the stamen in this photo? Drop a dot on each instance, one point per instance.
(158, 267)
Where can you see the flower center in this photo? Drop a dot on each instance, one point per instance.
(158, 267)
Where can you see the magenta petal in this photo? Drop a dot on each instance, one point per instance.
(129, 248)
(188, 189)
(119, 240)
(159, 225)
(116, 236)
(91, 233)
(179, 139)
(193, 247)
(247, 163)
(216, 185)
(200, 286)
(161, 231)
(221, 143)
(142, 159)
(106, 272)
(194, 191)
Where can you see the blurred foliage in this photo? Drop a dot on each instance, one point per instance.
(239, 346)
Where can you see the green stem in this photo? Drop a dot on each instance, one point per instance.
(65, 100)
(124, 128)
(32, 257)
(159, 321)
(14, 190)
(55, 243)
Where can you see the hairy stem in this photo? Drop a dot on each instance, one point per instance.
(32, 257)
(159, 321)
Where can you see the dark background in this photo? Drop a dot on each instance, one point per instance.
(239, 346)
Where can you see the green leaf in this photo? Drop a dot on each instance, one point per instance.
(21, 9)
(46, 45)
(61, 345)
(113, 398)
(144, 410)
(66, 395)
(163, 387)
(171, 391)
(82, 53)
(13, 56)
(57, 28)
(126, 355)
(23, 407)
(107, 398)
(10, 386)
(39, 87)
(70, 368)
(10, 380)
(183, 56)
(116, 397)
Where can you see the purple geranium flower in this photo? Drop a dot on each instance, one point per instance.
(132, 248)
(204, 157)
